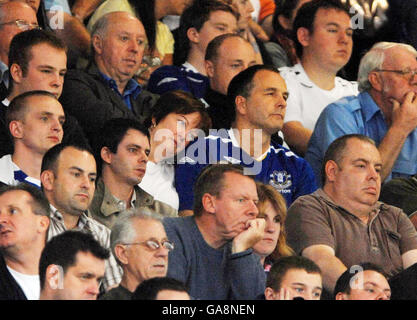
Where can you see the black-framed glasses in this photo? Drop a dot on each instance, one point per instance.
(410, 74)
(154, 245)
(22, 24)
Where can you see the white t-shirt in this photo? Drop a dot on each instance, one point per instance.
(28, 283)
(159, 183)
(7, 169)
(306, 100)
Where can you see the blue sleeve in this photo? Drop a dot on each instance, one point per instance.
(185, 177)
(306, 180)
(165, 79)
(247, 276)
(334, 122)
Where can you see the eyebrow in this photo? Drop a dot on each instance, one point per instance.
(366, 161)
(82, 171)
(50, 67)
(335, 24)
(47, 113)
(133, 145)
(375, 285)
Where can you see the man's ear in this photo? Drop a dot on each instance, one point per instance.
(16, 73)
(97, 42)
(47, 179)
(54, 277)
(121, 254)
(43, 224)
(303, 36)
(209, 68)
(106, 155)
(375, 80)
(331, 168)
(208, 202)
(193, 35)
(240, 103)
(269, 294)
(16, 129)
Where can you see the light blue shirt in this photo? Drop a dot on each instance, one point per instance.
(63, 4)
(357, 114)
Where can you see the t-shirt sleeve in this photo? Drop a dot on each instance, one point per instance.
(307, 225)
(408, 233)
(293, 111)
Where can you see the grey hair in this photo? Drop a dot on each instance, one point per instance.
(374, 59)
(123, 230)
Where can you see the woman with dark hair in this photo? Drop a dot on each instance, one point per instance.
(281, 48)
(150, 12)
(273, 208)
(173, 123)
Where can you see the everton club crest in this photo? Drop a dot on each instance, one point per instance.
(281, 180)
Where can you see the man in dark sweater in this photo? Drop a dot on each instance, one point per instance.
(213, 252)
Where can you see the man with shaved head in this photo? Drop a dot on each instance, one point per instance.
(106, 89)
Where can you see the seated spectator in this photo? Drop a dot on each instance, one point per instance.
(124, 151)
(385, 111)
(213, 253)
(72, 267)
(140, 245)
(273, 209)
(37, 61)
(200, 23)
(294, 278)
(24, 221)
(68, 178)
(106, 90)
(172, 125)
(281, 48)
(324, 45)
(15, 17)
(347, 208)
(161, 288)
(259, 94)
(160, 38)
(35, 120)
(365, 281)
(226, 56)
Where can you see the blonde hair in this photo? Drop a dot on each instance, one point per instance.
(267, 193)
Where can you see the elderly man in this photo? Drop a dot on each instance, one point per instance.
(71, 267)
(213, 253)
(385, 111)
(140, 245)
(124, 151)
(15, 17)
(259, 94)
(343, 224)
(324, 44)
(106, 90)
(24, 221)
(68, 176)
(35, 120)
(226, 56)
(37, 61)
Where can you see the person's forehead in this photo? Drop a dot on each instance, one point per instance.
(296, 275)
(332, 15)
(133, 136)
(17, 10)
(87, 262)
(235, 48)
(72, 157)
(235, 183)
(375, 277)
(358, 149)
(148, 228)
(17, 198)
(220, 16)
(43, 52)
(399, 58)
(40, 103)
(124, 23)
(269, 79)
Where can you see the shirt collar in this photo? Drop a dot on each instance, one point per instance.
(82, 221)
(4, 74)
(132, 87)
(368, 105)
(111, 204)
(188, 66)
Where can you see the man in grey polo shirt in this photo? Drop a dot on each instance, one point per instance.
(343, 223)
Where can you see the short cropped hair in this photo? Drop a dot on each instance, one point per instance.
(194, 17)
(179, 102)
(50, 159)
(62, 250)
(210, 180)
(283, 265)
(21, 45)
(374, 59)
(336, 151)
(343, 283)
(242, 83)
(306, 16)
(19, 105)
(39, 203)
(123, 230)
(149, 289)
(212, 51)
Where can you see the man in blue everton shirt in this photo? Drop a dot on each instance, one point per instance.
(259, 94)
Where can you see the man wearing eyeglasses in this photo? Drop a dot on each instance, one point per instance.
(385, 110)
(15, 17)
(68, 176)
(141, 246)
